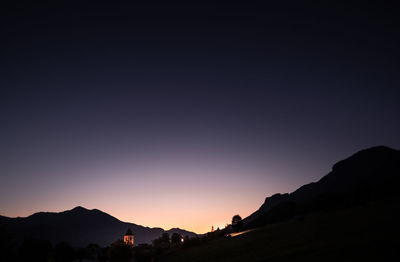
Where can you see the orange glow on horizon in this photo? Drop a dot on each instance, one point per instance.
(171, 200)
(199, 221)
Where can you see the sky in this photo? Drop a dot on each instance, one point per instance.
(184, 114)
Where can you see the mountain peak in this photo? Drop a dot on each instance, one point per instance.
(79, 208)
(376, 150)
(376, 154)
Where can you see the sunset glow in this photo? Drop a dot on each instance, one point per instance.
(185, 115)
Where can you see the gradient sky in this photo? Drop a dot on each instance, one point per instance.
(183, 115)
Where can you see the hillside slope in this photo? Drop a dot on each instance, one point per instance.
(364, 233)
(367, 175)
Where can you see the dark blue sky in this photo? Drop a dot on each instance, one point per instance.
(199, 98)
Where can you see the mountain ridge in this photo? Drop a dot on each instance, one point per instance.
(79, 227)
(369, 173)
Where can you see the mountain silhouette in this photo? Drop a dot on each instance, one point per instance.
(79, 227)
(370, 174)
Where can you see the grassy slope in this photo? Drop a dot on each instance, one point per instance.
(368, 232)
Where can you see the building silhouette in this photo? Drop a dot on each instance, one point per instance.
(129, 238)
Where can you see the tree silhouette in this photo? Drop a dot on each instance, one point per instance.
(237, 222)
(119, 252)
(165, 237)
(176, 239)
(162, 242)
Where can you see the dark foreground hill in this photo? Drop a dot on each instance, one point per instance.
(351, 214)
(370, 174)
(79, 227)
(367, 232)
